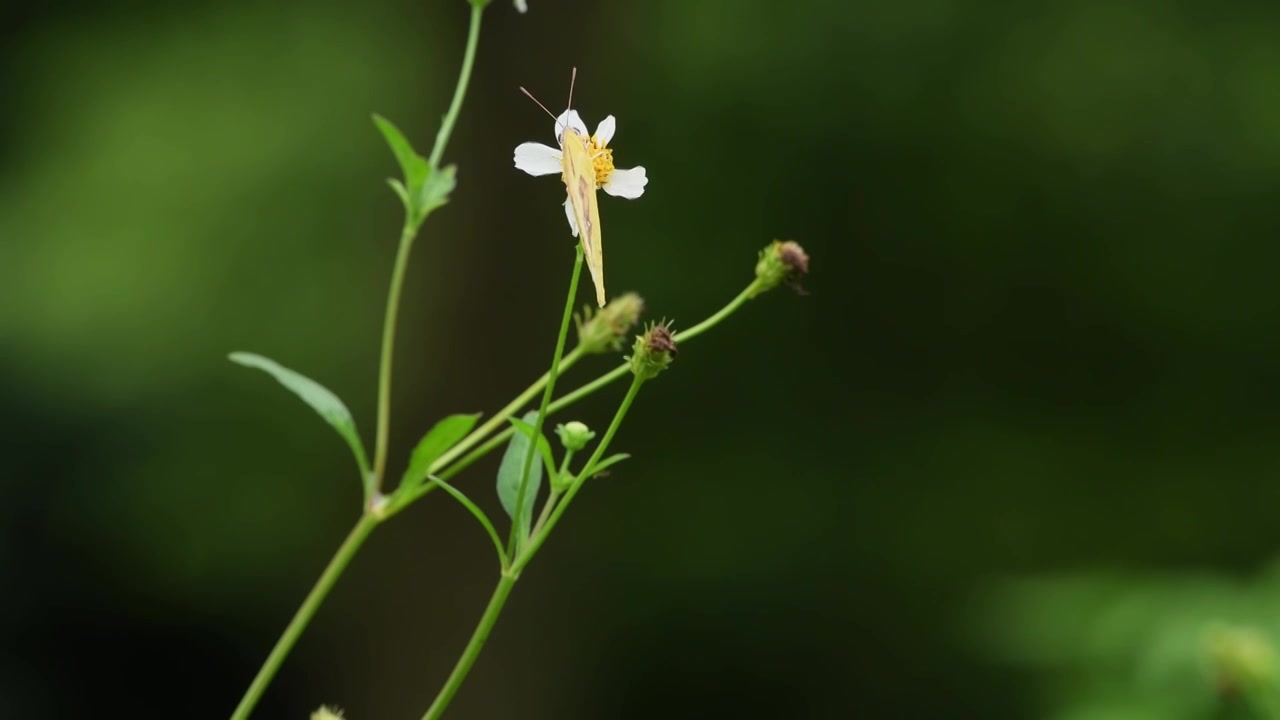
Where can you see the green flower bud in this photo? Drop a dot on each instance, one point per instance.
(781, 262)
(574, 435)
(1242, 658)
(603, 330)
(327, 713)
(653, 351)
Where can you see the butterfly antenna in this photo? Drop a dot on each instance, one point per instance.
(572, 79)
(534, 99)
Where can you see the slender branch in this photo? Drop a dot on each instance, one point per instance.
(460, 92)
(563, 402)
(479, 515)
(540, 420)
(499, 418)
(301, 618)
(536, 541)
(388, 350)
(474, 646)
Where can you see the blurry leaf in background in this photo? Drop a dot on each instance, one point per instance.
(1178, 645)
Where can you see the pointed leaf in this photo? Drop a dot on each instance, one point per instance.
(413, 165)
(442, 436)
(319, 398)
(608, 462)
(435, 190)
(401, 193)
(509, 479)
(544, 446)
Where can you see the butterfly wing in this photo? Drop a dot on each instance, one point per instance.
(580, 182)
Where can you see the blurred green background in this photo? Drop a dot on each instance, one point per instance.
(1041, 341)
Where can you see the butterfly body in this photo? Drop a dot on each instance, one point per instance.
(580, 182)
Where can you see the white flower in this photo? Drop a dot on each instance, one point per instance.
(538, 159)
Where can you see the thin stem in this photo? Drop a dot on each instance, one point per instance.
(476, 644)
(499, 418)
(301, 618)
(540, 420)
(536, 541)
(384, 366)
(724, 312)
(464, 77)
(567, 400)
(402, 261)
(479, 515)
(546, 510)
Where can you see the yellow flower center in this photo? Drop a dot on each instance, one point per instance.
(601, 160)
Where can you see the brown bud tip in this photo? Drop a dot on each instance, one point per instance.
(781, 262)
(653, 351)
(660, 341)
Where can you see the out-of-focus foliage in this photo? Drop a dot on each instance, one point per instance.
(1173, 646)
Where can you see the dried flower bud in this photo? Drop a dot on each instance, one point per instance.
(653, 351)
(327, 713)
(574, 435)
(782, 262)
(603, 330)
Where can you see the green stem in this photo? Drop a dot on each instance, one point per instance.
(384, 366)
(301, 618)
(536, 541)
(560, 403)
(724, 312)
(374, 487)
(499, 418)
(464, 77)
(478, 638)
(540, 420)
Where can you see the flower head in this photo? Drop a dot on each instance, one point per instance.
(782, 262)
(653, 351)
(604, 330)
(538, 159)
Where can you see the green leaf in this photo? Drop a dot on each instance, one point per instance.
(608, 462)
(401, 193)
(544, 446)
(320, 399)
(435, 190)
(509, 473)
(413, 165)
(442, 436)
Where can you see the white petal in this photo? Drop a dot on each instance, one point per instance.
(627, 183)
(538, 159)
(568, 212)
(570, 118)
(605, 130)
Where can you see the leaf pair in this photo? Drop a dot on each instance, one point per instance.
(424, 188)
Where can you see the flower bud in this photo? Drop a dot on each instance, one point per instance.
(574, 435)
(653, 351)
(603, 330)
(327, 713)
(781, 262)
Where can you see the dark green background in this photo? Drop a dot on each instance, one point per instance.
(1041, 337)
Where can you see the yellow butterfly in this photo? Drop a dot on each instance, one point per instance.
(585, 164)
